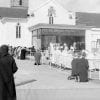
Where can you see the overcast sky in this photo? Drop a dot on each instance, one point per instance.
(72, 5)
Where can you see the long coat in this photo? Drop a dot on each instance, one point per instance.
(23, 54)
(74, 66)
(7, 86)
(37, 56)
(82, 69)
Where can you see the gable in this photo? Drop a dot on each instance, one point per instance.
(61, 14)
(50, 3)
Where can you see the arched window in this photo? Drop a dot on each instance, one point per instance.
(18, 31)
(51, 15)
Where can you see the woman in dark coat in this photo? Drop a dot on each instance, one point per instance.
(74, 73)
(23, 54)
(82, 68)
(7, 69)
(74, 66)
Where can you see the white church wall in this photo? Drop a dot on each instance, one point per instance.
(8, 34)
(61, 17)
(2, 34)
(8, 30)
(26, 35)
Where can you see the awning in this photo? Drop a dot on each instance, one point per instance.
(58, 26)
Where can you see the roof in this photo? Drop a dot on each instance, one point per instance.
(88, 19)
(56, 2)
(13, 12)
(58, 26)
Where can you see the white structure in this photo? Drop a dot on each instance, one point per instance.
(39, 15)
(15, 31)
(92, 39)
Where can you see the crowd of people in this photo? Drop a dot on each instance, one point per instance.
(63, 57)
(18, 52)
(57, 55)
(80, 67)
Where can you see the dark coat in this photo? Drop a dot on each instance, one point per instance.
(23, 54)
(74, 66)
(82, 69)
(7, 69)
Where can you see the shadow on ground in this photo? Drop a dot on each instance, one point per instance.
(25, 82)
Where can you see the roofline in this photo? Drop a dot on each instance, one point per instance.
(88, 12)
(43, 4)
(59, 26)
(15, 7)
(7, 19)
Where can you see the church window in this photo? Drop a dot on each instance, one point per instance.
(18, 31)
(50, 20)
(51, 15)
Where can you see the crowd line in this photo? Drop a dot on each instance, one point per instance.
(56, 55)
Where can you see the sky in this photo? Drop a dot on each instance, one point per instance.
(71, 5)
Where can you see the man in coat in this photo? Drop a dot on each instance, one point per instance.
(74, 66)
(74, 73)
(82, 68)
(23, 54)
(7, 69)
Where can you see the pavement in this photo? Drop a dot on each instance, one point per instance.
(47, 83)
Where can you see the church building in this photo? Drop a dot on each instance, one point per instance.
(50, 22)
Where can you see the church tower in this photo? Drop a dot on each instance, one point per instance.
(19, 3)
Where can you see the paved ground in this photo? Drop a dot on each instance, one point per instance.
(47, 83)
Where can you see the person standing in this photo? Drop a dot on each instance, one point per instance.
(74, 73)
(37, 56)
(7, 68)
(33, 50)
(82, 67)
(23, 54)
(74, 66)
